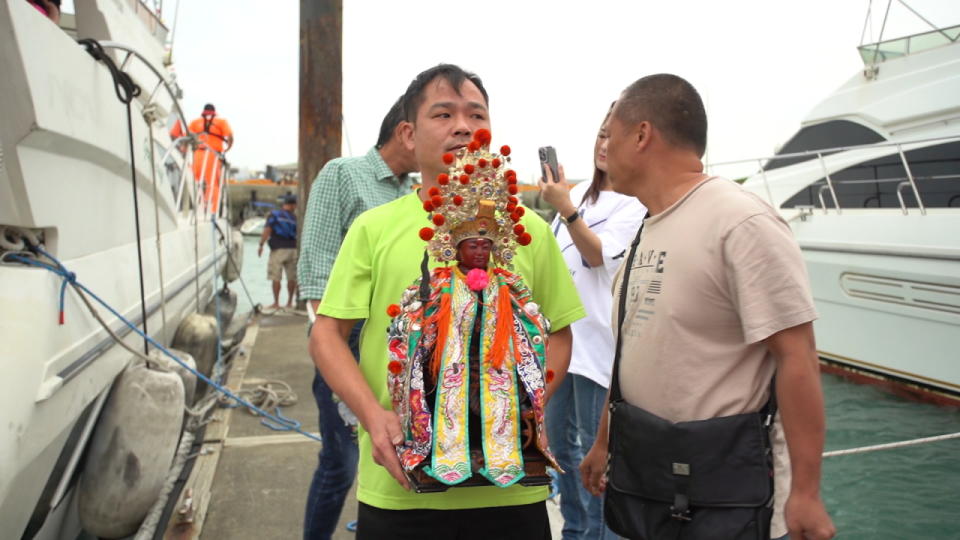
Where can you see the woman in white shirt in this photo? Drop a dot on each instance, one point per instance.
(594, 226)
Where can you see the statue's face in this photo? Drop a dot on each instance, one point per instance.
(474, 253)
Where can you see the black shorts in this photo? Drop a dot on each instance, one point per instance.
(523, 522)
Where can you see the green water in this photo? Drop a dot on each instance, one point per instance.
(903, 494)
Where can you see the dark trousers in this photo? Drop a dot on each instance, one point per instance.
(523, 522)
(337, 467)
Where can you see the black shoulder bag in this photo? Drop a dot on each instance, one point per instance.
(706, 479)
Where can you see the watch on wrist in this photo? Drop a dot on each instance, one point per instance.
(571, 218)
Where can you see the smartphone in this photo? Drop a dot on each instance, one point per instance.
(548, 158)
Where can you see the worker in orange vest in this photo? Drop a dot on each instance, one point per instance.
(214, 133)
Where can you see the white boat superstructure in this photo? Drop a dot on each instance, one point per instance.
(65, 177)
(870, 186)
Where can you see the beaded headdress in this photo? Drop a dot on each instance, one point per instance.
(476, 198)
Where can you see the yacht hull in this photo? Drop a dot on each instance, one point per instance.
(889, 314)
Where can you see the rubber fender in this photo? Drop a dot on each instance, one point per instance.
(226, 300)
(197, 336)
(186, 376)
(231, 271)
(131, 450)
(234, 334)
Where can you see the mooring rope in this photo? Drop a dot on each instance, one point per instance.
(280, 422)
(126, 91)
(890, 446)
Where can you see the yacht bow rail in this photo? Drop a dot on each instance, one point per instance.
(909, 181)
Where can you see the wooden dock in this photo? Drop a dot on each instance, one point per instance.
(250, 482)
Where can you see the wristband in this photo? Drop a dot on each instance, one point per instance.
(571, 218)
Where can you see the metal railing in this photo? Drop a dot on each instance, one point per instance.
(910, 180)
(189, 139)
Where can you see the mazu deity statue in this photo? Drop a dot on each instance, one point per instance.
(467, 344)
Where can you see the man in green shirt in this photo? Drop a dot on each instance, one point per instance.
(345, 188)
(379, 258)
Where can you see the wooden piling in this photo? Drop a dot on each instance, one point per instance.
(321, 81)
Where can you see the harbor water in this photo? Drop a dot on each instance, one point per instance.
(900, 494)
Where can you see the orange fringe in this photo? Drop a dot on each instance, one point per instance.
(442, 318)
(503, 334)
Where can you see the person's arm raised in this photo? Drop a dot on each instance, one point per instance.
(330, 353)
(557, 195)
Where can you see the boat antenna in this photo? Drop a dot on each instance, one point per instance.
(867, 22)
(173, 31)
(876, 50)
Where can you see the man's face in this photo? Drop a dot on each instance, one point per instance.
(619, 154)
(474, 253)
(446, 122)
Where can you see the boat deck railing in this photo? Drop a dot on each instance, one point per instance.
(827, 184)
(881, 51)
(196, 189)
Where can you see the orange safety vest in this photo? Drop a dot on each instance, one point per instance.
(212, 133)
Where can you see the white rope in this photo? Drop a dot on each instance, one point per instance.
(269, 394)
(888, 446)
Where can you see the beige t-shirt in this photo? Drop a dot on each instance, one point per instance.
(714, 275)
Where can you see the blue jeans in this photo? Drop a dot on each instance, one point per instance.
(338, 459)
(572, 417)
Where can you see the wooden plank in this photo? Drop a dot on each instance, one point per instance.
(186, 522)
(265, 440)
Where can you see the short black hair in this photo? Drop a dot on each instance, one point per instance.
(455, 75)
(672, 105)
(390, 121)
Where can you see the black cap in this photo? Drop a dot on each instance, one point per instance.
(289, 198)
(209, 107)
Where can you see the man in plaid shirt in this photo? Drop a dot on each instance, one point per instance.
(344, 189)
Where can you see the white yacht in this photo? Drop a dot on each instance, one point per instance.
(870, 185)
(66, 187)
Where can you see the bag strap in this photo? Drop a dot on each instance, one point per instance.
(768, 411)
(615, 395)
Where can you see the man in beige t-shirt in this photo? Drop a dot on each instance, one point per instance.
(718, 299)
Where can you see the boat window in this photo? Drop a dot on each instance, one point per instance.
(873, 184)
(833, 134)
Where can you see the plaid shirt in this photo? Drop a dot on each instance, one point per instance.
(344, 189)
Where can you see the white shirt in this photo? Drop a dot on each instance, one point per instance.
(615, 218)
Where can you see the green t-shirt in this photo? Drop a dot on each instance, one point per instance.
(379, 258)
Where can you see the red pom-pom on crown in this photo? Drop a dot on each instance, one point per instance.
(482, 136)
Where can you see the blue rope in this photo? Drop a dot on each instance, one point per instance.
(71, 277)
(295, 423)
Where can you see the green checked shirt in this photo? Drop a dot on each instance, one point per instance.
(344, 189)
